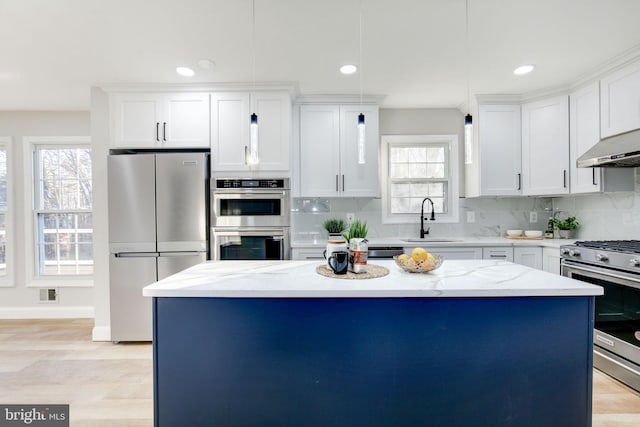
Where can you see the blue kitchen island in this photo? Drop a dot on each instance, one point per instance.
(272, 343)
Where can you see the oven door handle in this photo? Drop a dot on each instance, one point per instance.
(603, 272)
(251, 195)
(277, 233)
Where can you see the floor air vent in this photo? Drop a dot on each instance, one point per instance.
(48, 295)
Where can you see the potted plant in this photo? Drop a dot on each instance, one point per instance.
(566, 226)
(334, 227)
(357, 230)
(358, 246)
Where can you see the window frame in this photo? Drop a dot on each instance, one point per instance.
(451, 196)
(33, 276)
(7, 280)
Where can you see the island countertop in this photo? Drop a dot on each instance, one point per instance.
(298, 279)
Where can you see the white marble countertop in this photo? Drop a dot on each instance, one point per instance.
(298, 279)
(443, 242)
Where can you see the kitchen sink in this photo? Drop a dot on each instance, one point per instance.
(430, 240)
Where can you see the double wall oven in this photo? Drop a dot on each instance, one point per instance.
(250, 219)
(614, 265)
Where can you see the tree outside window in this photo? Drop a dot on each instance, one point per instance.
(63, 211)
(3, 211)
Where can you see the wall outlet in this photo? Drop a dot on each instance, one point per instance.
(351, 217)
(48, 296)
(533, 217)
(471, 216)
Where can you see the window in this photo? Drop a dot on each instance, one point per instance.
(415, 167)
(62, 213)
(4, 205)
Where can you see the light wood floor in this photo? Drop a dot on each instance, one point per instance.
(55, 361)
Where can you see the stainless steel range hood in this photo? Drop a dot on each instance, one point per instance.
(619, 151)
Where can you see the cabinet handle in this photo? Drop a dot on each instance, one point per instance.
(564, 178)
(164, 131)
(497, 256)
(157, 132)
(342, 182)
(593, 171)
(519, 181)
(245, 154)
(337, 183)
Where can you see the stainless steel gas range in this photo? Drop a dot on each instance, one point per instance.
(614, 265)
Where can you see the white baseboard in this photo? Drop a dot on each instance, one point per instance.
(58, 312)
(101, 333)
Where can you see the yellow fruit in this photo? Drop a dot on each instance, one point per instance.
(402, 259)
(420, 254)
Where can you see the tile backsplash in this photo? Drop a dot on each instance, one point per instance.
(602, 216)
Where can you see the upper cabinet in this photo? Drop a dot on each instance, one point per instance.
(545, 147)
(500, 150)
(620, 101)
(584, 133)
(167, 120)
(230, 121)
(329, 151)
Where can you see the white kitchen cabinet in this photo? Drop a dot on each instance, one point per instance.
(498, 253)
(230, 137)
(530, 256)
(620, 101)
(584, 133)
(457, 252)
(329, 151)
(307, 254)
(551, 260)
(500, 150)
(167, 120)
(545, 147)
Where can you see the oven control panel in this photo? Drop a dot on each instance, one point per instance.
(249, 184)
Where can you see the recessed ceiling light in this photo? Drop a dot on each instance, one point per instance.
(185, 71)
(348, 69)
(524, 69)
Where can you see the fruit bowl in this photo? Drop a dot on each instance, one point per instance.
(424, 266)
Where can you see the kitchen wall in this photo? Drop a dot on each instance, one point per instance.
(604, 216)
(16, 299)
(492, 215)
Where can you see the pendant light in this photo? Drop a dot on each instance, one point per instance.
(468, 120)
(253, 119)
(361, 126)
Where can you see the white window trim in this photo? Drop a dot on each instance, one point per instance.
(452, 216)
(8, 280)
(33, 279)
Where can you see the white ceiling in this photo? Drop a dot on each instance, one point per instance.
(53, 51)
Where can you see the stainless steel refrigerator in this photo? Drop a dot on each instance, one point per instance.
(157, 227)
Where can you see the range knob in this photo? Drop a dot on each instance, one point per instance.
(602, 257)
(564, 251)
(574, 252)
(634, 262)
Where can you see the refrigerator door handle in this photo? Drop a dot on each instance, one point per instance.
(174, 254)
(136, 254)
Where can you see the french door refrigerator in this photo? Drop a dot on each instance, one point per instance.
(157, 227)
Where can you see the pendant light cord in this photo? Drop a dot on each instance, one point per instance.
(253, 41)
(360, 49)
(466, 53)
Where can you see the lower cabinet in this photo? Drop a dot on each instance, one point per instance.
(500, 253)
(452, 252)
(551, 260)
(303, 254)
(531, 256)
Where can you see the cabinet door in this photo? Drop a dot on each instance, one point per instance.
(500, 150)
(529, 256)
(584, 133)
(319, 151)
(274, 130)
(230, 118)
(306, 254)
(620, 101)
(545, 147)
(358, 180)
(551, 260)
(502, 254)
(186, 120)
(136, 120)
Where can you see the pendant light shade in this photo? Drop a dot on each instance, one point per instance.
(253, 143)
(361, 139)
(468, 139)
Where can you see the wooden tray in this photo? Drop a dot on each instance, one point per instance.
(373, 271)
(524, 238)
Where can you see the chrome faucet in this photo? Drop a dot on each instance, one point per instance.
(432, 218)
